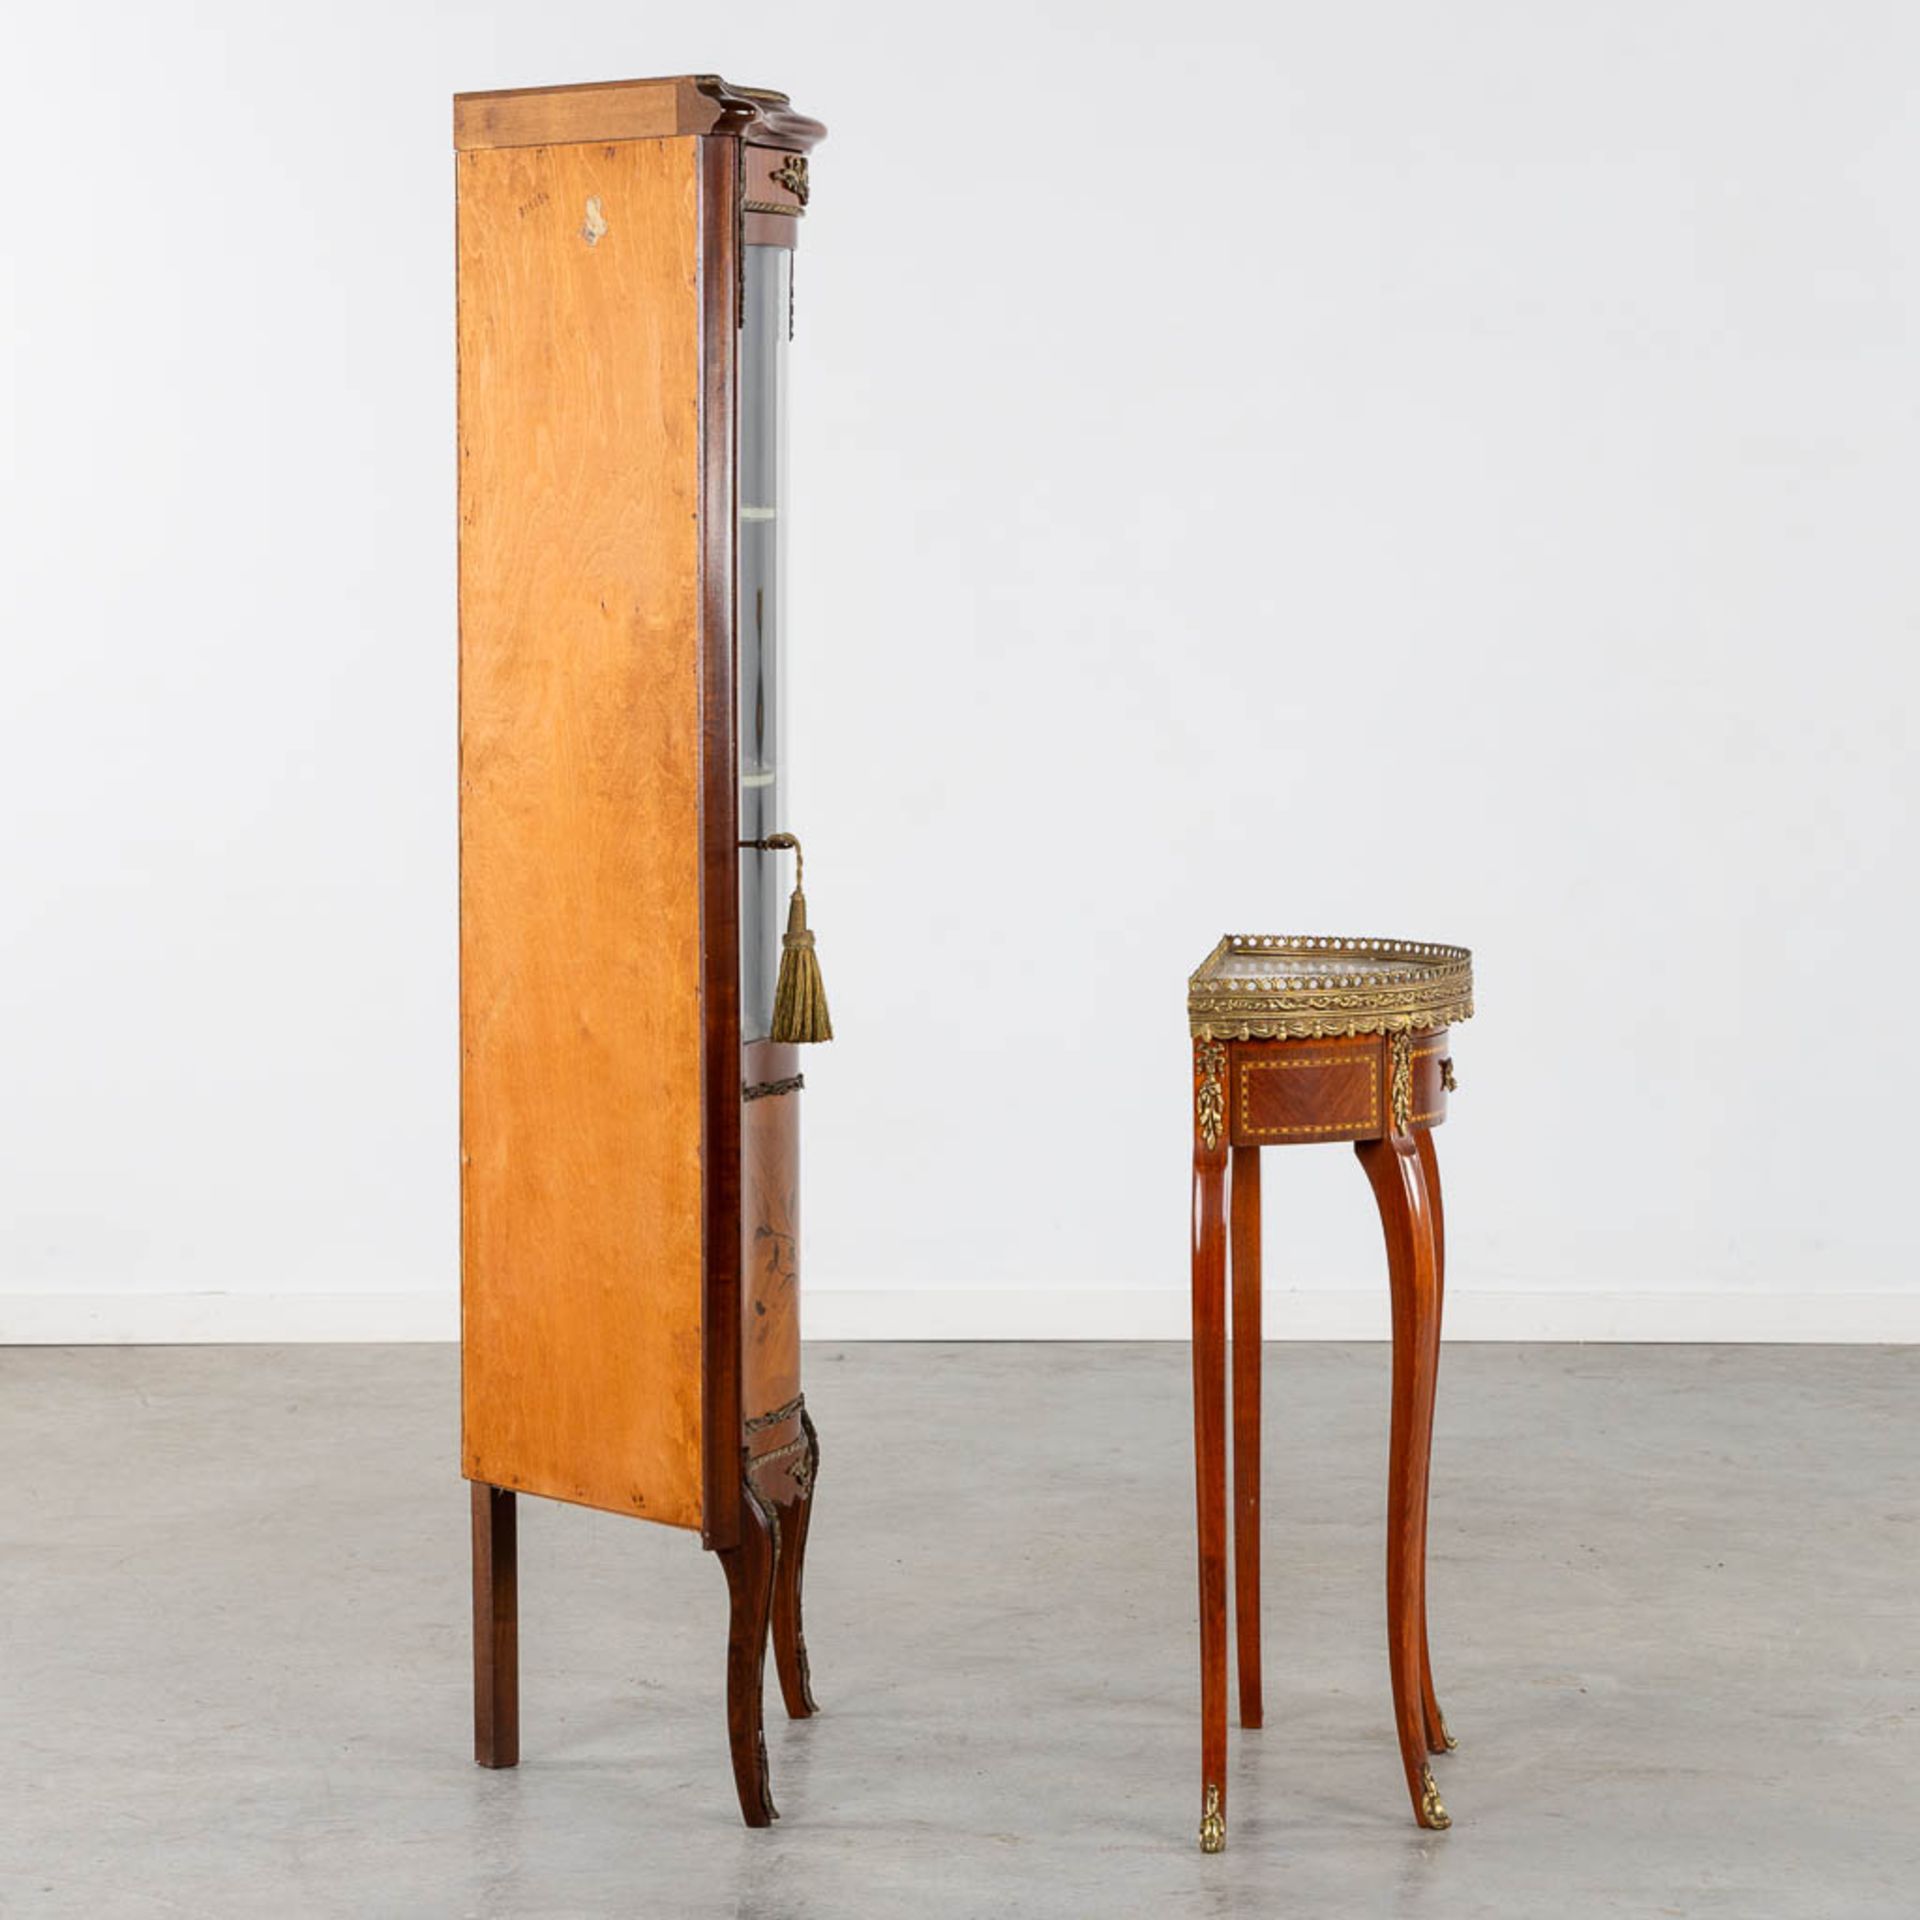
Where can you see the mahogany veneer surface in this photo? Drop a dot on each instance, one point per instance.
(1297, 1092)
(770, 1239)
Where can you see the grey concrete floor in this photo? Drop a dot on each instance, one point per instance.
(1674, 1612)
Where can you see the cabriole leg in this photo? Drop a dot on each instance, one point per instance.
(1439, 1740)
(749, 1570)
(1399, 1187)
(789, 1638)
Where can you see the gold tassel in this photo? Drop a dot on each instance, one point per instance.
(800, 1016)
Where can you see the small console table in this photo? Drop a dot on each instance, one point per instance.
(1299, 1039)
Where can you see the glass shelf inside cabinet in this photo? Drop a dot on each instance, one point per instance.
(760, 610)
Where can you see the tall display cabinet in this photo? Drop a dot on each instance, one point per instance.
(629, 1124)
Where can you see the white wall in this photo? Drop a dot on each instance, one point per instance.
(1437, 471)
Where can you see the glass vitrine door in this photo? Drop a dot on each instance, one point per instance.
(760, 617)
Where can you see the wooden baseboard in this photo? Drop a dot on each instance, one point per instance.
(1060, 1313)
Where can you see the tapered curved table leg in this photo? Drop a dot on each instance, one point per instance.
(789, 1638)
(1210, 1436)
(1439, 1740)
(749, 1569)
(1400, 1190)
(1244, 1232)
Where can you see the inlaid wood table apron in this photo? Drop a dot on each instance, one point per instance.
(1298, 1040)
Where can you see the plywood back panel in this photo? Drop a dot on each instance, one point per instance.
(580, 939)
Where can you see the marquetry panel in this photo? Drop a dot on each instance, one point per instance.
(1297, 1091)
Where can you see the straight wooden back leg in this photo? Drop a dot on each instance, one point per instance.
(1210, 1436)
(496, 1628)
(1247, 1351)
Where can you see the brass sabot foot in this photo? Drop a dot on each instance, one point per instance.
(1213, 1825)
(1446, 1738)
(1433, 1812)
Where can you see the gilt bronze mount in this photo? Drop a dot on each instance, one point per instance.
(1326, 986)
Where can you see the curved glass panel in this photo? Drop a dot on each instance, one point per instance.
(759, 609)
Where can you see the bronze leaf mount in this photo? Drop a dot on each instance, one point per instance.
(1210, 1101)
(793, 176)
(1402, 1082)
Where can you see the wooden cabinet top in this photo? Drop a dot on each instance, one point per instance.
(688, 103)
